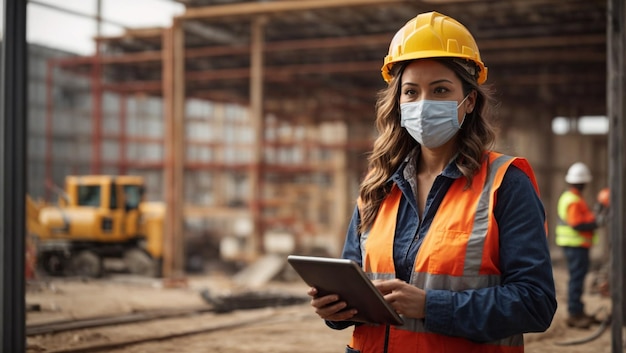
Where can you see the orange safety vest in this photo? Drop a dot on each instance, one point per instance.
(459, 252)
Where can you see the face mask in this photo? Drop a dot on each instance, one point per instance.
(430, 123)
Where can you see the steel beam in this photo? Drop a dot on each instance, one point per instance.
(616, 93)
(260, 8)
(13, 125)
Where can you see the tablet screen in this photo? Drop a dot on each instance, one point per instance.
(346, 279)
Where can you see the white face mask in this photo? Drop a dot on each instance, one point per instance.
(431, 123)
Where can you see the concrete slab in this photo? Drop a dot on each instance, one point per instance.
(261, 271)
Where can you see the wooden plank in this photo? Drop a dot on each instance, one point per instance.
(168, 141)
(174, 101)
(100, 321)
(260, 272)
(133, 33)
(257, 30)
(540, 42)
(502, 46)
(179, 151)
(284, 73)
(258, 8)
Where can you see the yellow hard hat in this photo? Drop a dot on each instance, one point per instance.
(433, 35)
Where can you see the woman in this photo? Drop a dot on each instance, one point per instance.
(454, 235)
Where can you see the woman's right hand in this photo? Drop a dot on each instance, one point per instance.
(329, 307)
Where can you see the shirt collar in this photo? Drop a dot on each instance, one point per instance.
(407, 171)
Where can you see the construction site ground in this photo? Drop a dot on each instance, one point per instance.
(289, 328)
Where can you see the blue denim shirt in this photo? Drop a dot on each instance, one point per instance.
(524, 301)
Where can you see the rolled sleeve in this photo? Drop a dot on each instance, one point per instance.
(439, 314)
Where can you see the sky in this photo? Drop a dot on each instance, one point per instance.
(56, 29)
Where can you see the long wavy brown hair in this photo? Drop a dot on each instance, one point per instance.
(394, 143)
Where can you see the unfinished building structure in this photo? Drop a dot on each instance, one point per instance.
(252, 120)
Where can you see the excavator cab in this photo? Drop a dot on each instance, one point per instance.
(99, 216)
(106, 208)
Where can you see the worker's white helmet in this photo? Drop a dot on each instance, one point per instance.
(578, 173)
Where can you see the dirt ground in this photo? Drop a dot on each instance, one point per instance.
(279, 329)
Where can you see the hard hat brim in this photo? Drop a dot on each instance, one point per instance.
(430, 54)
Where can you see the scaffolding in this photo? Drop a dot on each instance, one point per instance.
(228, 153)
(262, 113)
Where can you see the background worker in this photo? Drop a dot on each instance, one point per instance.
(575, 233)
(467, 271)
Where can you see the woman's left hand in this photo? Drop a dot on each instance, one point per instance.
(406, 299)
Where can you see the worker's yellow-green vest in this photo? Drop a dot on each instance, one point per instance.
(565, 234)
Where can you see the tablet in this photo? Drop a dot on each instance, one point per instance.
(346, 279)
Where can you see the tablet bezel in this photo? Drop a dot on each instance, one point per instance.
(346, 278)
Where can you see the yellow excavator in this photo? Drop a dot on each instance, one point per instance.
(97, 217)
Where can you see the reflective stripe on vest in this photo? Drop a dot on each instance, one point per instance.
(460, 251)
(565, 234)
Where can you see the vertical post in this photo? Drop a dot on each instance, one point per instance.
(615, 112)
(168, 118)
(48, 178)
(96, 113)
(178, 232)
(123, 166)
(13, 174)
(174, 107)
(343, 205)
(98, 18)
(97, 96)
(257, 30)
